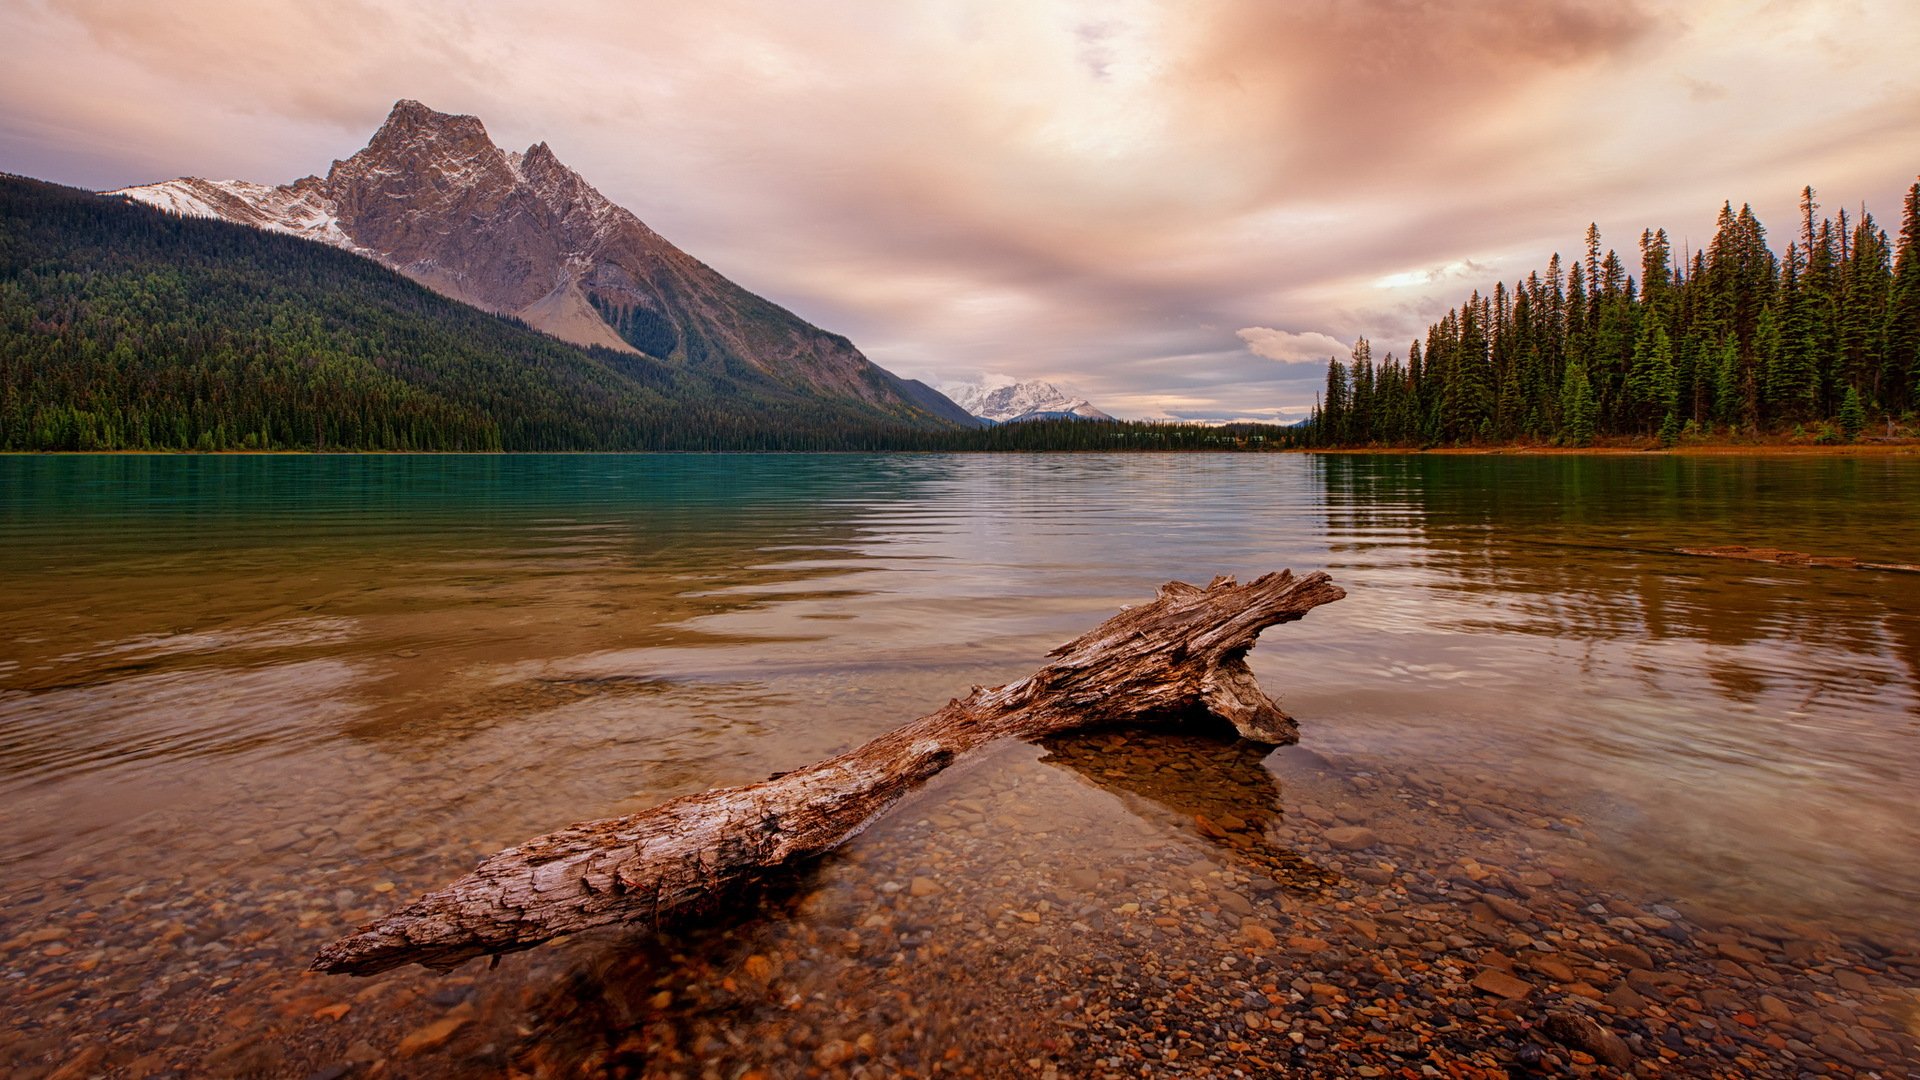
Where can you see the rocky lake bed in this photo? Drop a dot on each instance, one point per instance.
(1106, 905)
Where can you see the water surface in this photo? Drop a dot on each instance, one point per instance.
(247, 702)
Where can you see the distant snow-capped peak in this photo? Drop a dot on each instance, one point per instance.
(1021, 400)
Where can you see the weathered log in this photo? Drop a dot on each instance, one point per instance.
(1179, 657)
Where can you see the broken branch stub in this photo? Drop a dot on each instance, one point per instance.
(1180, 656)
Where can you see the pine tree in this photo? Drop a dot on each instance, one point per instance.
(1903, 312)
(1651, 384)
(1728, 401)
(1656, 269)
(1362, 405)
(1576, 406)
(1853, 415)
(1863, 308)
(1335, 411)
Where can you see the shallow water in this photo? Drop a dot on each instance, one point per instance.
(249, 702)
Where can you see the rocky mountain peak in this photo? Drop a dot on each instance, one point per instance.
(432, 197)
(417, 142)
(409, 122)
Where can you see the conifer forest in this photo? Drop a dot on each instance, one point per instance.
(1731, 341)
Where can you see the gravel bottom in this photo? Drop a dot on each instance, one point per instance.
(1109, 906)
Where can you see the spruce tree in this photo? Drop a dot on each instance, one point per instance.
(1577, 409)
(1728, 401)
(1863, 308)
(1652, 384)
(1903, 311)
(1853, 415)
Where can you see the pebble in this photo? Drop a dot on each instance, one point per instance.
(1352, 838)
(1583, 1034)
(1501, 983)
(1507, 909)
(431, 1037)
(1631, 955)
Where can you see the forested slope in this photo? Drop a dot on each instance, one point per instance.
(123, 327)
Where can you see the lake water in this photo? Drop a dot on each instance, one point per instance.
(249, 702)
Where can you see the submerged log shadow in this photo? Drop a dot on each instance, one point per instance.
(1214, 784)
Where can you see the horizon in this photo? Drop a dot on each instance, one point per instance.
(1174, 216)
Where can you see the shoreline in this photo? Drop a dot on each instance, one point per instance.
(1896, 448)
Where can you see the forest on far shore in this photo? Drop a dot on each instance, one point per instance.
(1732, 342)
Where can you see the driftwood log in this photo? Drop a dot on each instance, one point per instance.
(1178, 658)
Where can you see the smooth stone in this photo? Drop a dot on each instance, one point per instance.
(1624, 998)
(431, 1037)
(1351, 838)
(1583, 1034)
(1552, 969)
(1507, 909)
(1234, 902)
(1501, 984)
(1852, 981)
(1631, 955)
(1481, 815)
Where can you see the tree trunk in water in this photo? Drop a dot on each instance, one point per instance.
(1180, 657)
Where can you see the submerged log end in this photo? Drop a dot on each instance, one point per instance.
(419, 933)
(1232, 694)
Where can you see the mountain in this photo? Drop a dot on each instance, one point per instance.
(126, 328)
(1023, 401)
(521, 234)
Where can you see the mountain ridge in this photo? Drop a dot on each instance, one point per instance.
(1021, 401)
(124, 327)
(521, 234)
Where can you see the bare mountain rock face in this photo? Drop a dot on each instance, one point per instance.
(521, 234)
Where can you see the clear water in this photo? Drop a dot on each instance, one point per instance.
(247, 702)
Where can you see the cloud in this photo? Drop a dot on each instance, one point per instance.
(1460, 270)
(1289, 347)
(1096, 192)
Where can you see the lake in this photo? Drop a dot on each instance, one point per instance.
(247, 703)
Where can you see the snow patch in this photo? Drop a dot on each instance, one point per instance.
(1022, 401)
(290, 210)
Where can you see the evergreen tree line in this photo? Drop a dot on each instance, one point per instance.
(1734, 340)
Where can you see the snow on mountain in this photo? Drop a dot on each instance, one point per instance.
(1022, 401)
(303, 213)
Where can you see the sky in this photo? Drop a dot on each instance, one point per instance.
(1177, 207)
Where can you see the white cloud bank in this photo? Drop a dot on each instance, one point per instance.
(1311, 347)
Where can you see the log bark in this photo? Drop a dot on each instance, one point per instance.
(1176, 659)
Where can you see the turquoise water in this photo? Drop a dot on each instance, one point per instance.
(276, 684)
